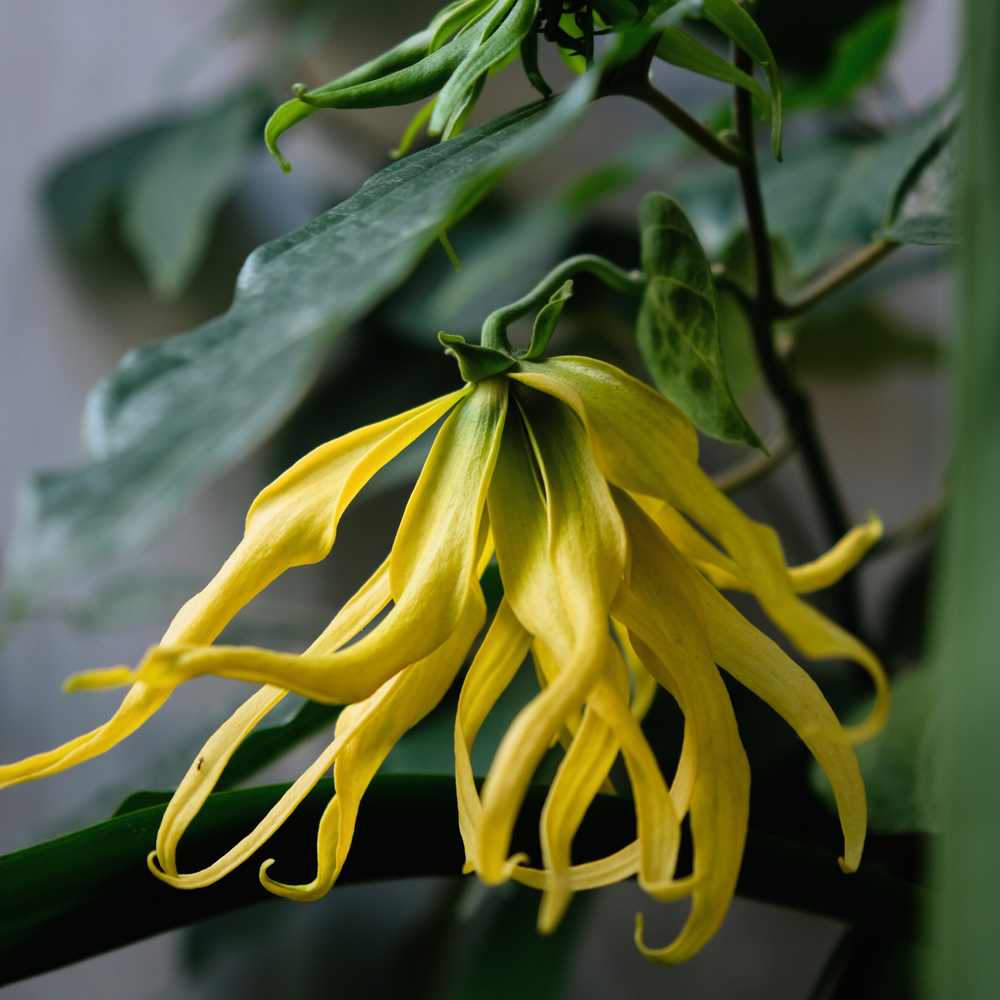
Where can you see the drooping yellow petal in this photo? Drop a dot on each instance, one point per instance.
(435, 557)
(376, 716)
(757, 663)
(844, 556)
(666, 623)
(644, 444)
(582, 773)
(139, 704)
(292, 522)
(561, 562)
(547, 670)
(397, 707)
(207, 768)
(495, 664)
(643, 682)
(726, 574)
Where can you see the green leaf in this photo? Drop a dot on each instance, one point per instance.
(924, 206)
(678, 331)
(858, 55)
(830, 194)
(177, 190)
(680, 49)
(91, 891)
(898, 765)
(735, 23)
(504, 40)
(543, 961)
(964, 923)
(82, 197)
(860, 341)
(179, 412)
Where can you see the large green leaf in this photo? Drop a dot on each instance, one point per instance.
(965, 923)
(179, 186)
(89, 892)
(678, 331)
(179, 412)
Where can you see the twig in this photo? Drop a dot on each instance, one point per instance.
(680, 118)
(763, 308)
(835, 279)
(916, 529)
(743, 475)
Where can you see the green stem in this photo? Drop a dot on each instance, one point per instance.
(835, 279)
(679, 118)
(763, 308)
(494, 333)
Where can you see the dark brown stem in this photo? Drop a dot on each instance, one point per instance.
(678, 117)
(836, 278)
(762, 310)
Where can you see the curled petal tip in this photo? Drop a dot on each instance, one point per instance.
(98, 680)
(846, 867)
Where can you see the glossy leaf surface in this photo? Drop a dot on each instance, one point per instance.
(678, 329)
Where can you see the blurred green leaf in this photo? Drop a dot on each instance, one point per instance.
(803, 35)
(678, 331)
(830, 194)
(543, 962)
(964, 924)
(178, 187)
(924, 206)
(899, 764)
(857, 57)
(179, 412)
(82, 197)
(860, 341)
(91, 891)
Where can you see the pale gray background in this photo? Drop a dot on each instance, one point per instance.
(69, 70)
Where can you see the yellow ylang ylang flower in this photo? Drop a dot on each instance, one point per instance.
(585, 484)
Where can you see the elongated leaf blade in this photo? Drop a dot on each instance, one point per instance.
(179, 412)
(91, 891)
(678, 331)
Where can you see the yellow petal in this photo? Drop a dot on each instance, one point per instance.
(207, 768)
(666, 623)
(581, 775)
(757, 663)
(845, 555)
(139, 704)
(561, 561)
(397, 707)
(495, 664)
(643, 682)
(434, 570)
(644, 444)
(293, 521)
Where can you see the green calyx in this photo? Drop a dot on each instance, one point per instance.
(476, 362)
(495, 355)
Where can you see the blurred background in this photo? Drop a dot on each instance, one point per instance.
(73, 302)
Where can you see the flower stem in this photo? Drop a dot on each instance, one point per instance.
(835, 279)
(494, 333)
(763, 308)
(679, 118)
